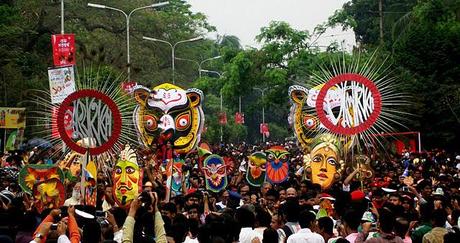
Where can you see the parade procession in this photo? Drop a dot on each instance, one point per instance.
(257, 121)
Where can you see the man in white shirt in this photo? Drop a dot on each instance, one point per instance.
(306, 221)
(246, 219)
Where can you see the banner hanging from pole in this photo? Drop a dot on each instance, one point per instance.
(12, 117)
(63, 49)
(62, 83)
(222, 118)
(264, 129)
(239, 118)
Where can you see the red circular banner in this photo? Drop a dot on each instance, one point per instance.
(339, 129)
(66, 105)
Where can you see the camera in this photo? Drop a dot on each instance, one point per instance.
(101, 218)
(145, 199)
(100, 213)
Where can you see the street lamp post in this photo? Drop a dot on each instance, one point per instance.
(128, 17)
(173, 48)
(221, 100)
(199, 64)
(263, 106)
(205, 60)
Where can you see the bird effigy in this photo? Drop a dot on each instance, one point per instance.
(277, 169)
(215, 173)
(257, 169)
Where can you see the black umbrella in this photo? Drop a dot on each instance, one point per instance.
(39, 143)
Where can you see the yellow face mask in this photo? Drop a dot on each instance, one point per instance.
(324, 165)
(127, 181)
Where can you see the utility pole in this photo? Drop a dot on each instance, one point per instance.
(381, 20)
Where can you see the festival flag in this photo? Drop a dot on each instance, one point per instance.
(128, 86)
(264, 129)
(239, 118)
(63, 49)
(222, 118)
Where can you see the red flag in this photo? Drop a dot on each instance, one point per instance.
(128, 86)
(264, 129)
(239, 118)
(222, 118)
(63, 49)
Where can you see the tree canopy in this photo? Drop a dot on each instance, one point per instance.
(421, 39)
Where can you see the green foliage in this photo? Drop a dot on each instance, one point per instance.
(422, 38)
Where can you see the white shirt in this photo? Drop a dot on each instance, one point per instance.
(293, 226)
(190, 240)
(305, 236)
(247, 234)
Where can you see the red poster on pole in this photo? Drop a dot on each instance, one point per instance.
(264, 129)
(222, 118)
(239, 118)
(63, 49)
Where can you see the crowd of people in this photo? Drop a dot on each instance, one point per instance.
(409, 198)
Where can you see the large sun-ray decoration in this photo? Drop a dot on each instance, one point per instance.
(352, 98)
(337, 114)
(99, 108)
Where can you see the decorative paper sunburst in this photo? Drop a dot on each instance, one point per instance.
(353, 99)
(99, 109)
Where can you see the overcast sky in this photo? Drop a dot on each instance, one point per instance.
(244, 18)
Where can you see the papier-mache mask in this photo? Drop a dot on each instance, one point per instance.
(169, 111)
(127, 178)
(45, 183)
(324, 162)
(277, 164)
(215, 173)
(175, 179)
(256, 172)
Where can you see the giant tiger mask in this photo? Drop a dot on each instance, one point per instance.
(304, 121)
(170, 114)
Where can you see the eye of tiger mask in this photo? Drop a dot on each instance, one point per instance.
(169, 112)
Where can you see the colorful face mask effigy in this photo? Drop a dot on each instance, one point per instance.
(277, 164)
(215, 173)
(45, 183)
(256, 172)
(324, 162)
(127, 178)
(170, 114)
